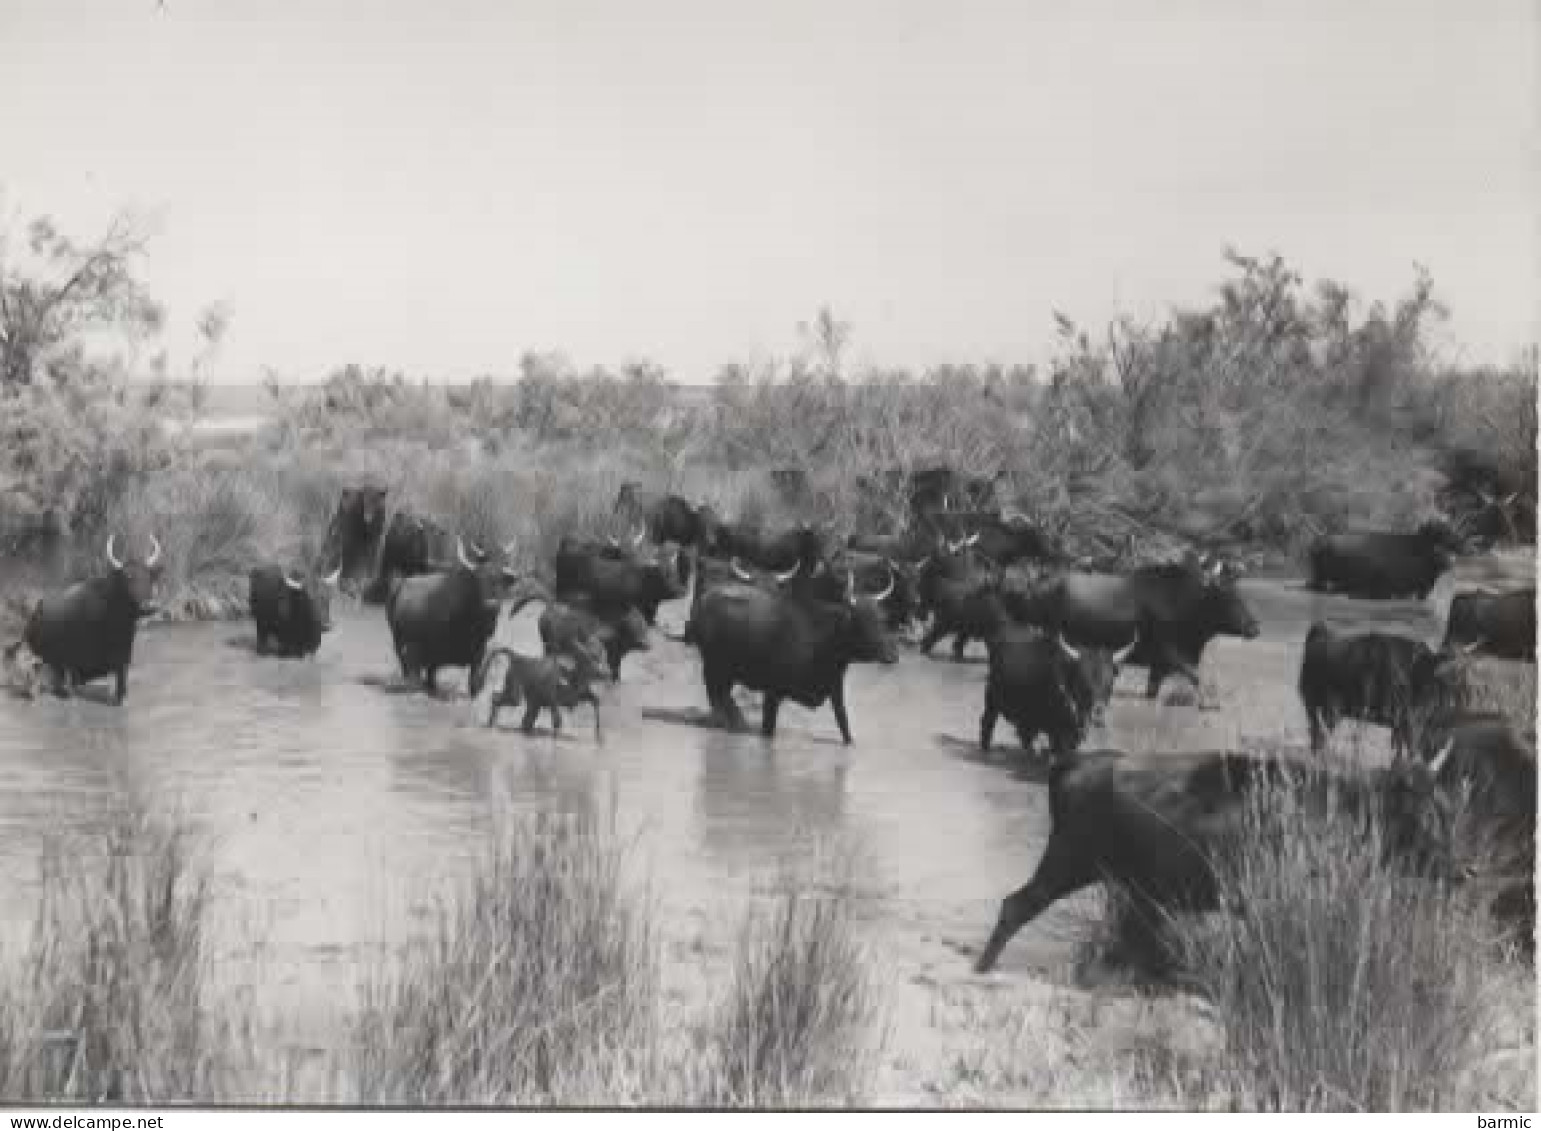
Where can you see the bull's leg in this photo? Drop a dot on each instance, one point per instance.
(959, 645)
(1059, 873)
(719, 693)
(431, 679)
(768, 709)
(837, 701)
(120, 690)
(938, 629)
(494, 705)
(262, 642)
(987, 719)
(531, 713)
(556, 719)
(1157, 675)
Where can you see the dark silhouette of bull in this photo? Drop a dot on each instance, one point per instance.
(1154, 826)
(87, 631)
(445, 619)
(413, 547)
(1175, 609)
(1390, 681)
(1494, 766)
(611, 582)
(669, 519)
(1496, 624)
(291, 611)
(1010, 537)
(786, 646)
(961, 592)
(353, 535)
(802, 546)
(1044, 686)
(1377, 565)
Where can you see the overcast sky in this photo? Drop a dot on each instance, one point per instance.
(441, 186)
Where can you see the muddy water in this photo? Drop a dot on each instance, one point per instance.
(339, 808)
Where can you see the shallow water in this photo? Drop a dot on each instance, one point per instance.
(339, 805)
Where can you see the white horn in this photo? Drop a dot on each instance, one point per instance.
(739, 571)
(155, 554)
(1066, 648)
(333, 577)
(293, 584)
(892, 581)
(111, 556)
(971, 539)
(1439, 759)
(791, 573)
(460, 552)
(1123, 654)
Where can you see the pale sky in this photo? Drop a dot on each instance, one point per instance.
(441, 186)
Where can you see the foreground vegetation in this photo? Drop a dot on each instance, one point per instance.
(1274, 414)
(538, 981)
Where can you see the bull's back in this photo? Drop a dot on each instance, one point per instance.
(1091, 607)
(738, 615)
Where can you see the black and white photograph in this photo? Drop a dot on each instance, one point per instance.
(867, 555)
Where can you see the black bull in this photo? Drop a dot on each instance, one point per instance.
(1377, 677)
(668, 518)
(802, 546)
(786, 646)
(1154, 826)
(614, 581)
(444, 619)
(292, 611)
(1381, 565)
(1043, 686)
(1175, 610)
(353, 536)
(87, 631)
(1497, 624)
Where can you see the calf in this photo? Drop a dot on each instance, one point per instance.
(545, 683)
(1378, 678)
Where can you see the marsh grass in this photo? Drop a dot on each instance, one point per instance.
(796, 1024)
(1345, 984)
(107, 999)
(537, 984)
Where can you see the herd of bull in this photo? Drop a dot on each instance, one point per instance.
(786, 612)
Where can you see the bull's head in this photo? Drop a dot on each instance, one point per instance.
(140, 579)
(1419, 817)
(319, 590)
(869, 641)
